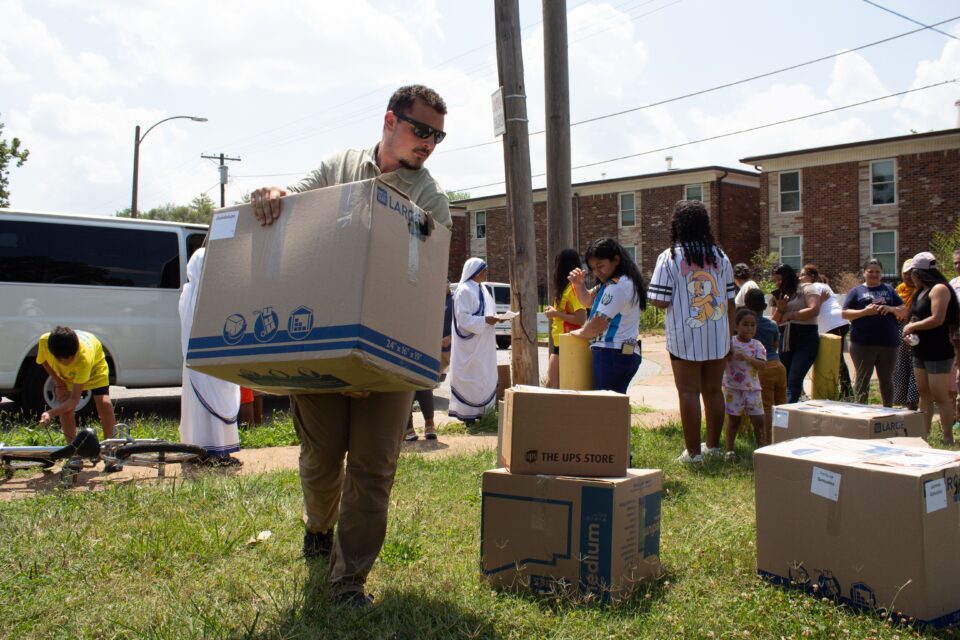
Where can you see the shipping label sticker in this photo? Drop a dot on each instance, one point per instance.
(224, 225)
(825, 483)
(780, 418)
(935, 494)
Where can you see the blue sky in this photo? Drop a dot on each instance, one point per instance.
(286, 83)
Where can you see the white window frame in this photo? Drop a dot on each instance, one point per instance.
(477, 225)
(799, 191)
(800, 257)
(631, 249)
(620, 209)
(686, 191)
(890, 267)
(895, 198)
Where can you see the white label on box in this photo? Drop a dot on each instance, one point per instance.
(825, 484)
(780, 418)
(935, 492)
(224, 225)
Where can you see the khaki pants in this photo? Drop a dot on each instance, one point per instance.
(371, 430)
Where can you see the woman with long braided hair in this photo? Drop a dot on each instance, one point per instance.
(693, 281)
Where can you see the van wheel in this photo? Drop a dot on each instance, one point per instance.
(503, 342)
(38, 393)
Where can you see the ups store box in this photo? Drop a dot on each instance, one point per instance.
(562, 432)
(844, 419)
(592, 537)
(869, 523)
(344, 292)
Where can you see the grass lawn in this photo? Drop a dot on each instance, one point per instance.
(174, 562)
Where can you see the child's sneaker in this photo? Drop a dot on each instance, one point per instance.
(686, 458)
(730, 456)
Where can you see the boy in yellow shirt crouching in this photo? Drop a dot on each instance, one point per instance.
(75, 362)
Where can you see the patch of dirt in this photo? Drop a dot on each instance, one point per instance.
(26, 484)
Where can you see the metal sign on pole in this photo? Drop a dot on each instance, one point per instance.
(499, 120)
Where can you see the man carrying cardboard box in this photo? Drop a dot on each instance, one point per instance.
(369, 426)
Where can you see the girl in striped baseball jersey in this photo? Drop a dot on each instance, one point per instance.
(693, 281)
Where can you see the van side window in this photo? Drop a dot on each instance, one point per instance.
(194, 242)
(55, 253)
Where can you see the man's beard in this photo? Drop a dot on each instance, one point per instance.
(413, 166)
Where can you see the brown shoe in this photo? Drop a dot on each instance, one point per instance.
(429, 432)
(411, 435)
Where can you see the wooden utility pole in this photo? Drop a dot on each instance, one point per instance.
(516, 159)
(557, 101)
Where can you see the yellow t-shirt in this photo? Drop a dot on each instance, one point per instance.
(569, 303)
(89, 368)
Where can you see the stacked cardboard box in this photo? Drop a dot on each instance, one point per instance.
(844, 419)
(870, 523)
(566, 514)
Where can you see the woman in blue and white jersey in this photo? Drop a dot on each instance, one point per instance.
(613, 323)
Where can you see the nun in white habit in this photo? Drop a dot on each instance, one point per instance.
(208, 405)
(473, 355)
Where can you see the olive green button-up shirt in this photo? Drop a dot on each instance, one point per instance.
(353, 165)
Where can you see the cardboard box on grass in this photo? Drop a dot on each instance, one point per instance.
(870, 523)
(589, 537)
(562, 432)
(344, 292)
(845, 420)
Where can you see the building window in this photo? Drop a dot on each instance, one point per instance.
(632, 252)
(883, 182)
(693, 192)
(791, 251)
(883, 247)
(789, 191)
(628, 210)
(480, 225)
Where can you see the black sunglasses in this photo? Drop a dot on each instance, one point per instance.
(422, 131)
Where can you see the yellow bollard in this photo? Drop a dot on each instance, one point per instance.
(576, 365)
(826, 368)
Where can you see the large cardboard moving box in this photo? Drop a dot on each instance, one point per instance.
(344, 292)
(588, 536)
(871, 523)
(845, 420)
(560, 432)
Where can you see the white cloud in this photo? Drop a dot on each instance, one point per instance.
(855, 80)
(9, 74)
(934, 108)
(296, 47)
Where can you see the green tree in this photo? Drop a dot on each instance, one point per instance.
(453, 196)
(9, 152)
(197, 212)
(943, 245)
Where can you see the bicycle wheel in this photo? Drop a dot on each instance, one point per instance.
(152, 453)
(17, 463)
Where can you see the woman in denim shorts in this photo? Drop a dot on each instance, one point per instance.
(934, 314)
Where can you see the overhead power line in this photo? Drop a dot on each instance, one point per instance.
(731, 133)
(909, 19)
(701, 92)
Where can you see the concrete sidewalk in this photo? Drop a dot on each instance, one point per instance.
(652, 386)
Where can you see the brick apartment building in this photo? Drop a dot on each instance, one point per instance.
(840, 205)
(636, 210)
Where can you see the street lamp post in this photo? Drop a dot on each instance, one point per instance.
(137, 139)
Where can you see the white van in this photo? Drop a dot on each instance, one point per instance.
(118, 278)
(501, 297)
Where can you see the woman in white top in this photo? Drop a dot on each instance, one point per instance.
(741, 278)
(614, 319)
(830, 320)
(693, 281)
(473, 354)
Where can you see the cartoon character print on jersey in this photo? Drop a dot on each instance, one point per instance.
(705, 301)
